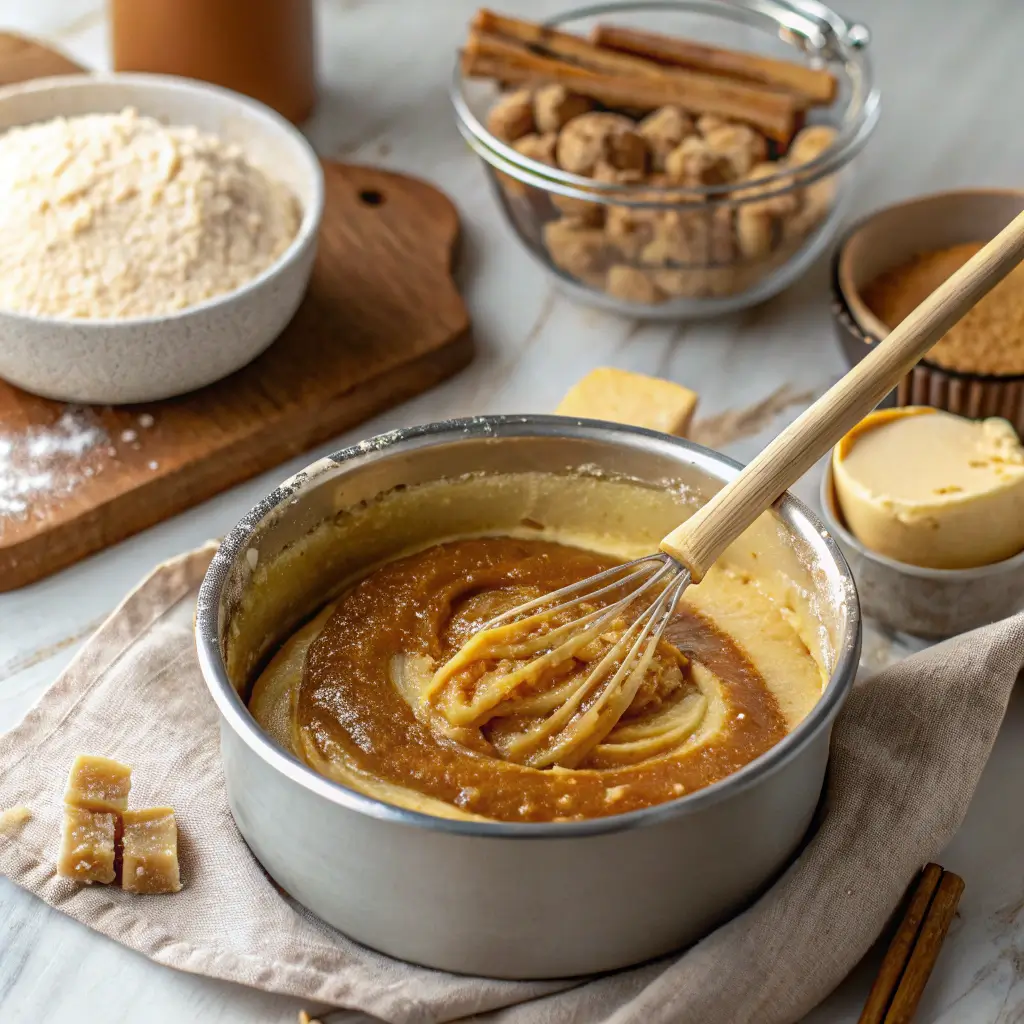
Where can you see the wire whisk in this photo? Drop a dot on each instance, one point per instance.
(616, 620)
(537, 638)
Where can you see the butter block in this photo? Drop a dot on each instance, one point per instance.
(931, 489)
(98, 784)
(633, 399)
(87, 845)
(149, 859)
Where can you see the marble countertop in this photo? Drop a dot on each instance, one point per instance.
(951, 77)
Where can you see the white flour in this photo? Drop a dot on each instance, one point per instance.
(116, 215)
(43, 463)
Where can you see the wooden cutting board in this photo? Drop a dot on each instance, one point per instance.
(382, 321)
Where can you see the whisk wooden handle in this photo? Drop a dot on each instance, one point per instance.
(703, 537)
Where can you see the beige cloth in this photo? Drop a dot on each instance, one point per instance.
(907, 753)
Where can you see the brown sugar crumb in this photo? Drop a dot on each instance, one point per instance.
(13, 818)
(989, 339)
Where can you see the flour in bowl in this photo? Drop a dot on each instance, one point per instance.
(117, 215)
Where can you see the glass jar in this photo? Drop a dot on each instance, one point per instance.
(261, 48)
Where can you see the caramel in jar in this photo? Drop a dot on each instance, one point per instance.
(262, 48)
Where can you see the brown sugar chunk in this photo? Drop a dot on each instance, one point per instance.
(816, 199)
(767, 198)
(512, 116)
(680, 236)
(87, 845)
(601, 138)
(708, 123)
(631, 284)
(740, 144)
(755, 233)
(150, 853)
(554, 106)
(664, 130)
(98, 784)
(579, 250)
(694, 162)
(537, 147)
(810, 143)
(631, 228)
(581, 211)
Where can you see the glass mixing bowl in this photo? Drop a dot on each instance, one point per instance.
(591, 234)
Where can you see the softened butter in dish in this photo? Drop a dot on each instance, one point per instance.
(351, 692)
(932, 489)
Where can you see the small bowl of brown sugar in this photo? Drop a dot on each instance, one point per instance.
(888, 263)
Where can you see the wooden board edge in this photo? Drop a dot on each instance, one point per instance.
(38, 556)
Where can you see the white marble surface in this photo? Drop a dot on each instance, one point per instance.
(952, 78)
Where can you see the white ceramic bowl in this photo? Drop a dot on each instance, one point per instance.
(147, 358)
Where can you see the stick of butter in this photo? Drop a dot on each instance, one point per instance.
(932, 489)
(631, 398)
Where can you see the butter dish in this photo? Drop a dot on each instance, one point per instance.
(932, 489)
(924, 602)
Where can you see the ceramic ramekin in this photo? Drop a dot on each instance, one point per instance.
(894, 235)
(147, 358)
(929, 603)
(491, 898)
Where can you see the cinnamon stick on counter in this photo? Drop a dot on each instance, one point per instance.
(911, 955)
(775, 113)
(926, 950)
(814, 85)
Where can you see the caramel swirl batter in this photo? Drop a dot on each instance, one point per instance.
(363, 713)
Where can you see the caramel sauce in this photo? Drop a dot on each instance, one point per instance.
(428, 604)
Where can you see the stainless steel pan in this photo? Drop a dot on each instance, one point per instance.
(499, 899)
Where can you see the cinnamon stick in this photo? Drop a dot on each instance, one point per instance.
(902, 945)
(563, 44)
(926, 950)
(774, 113)
(911, 955)
(815, 85)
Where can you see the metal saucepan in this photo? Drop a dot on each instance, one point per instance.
(501, 899)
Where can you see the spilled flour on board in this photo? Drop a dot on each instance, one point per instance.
(41, 463)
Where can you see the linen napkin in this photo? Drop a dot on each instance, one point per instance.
(135, 692)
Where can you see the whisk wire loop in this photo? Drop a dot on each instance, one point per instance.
(582, 721)
(629, 605)
(576, 593)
